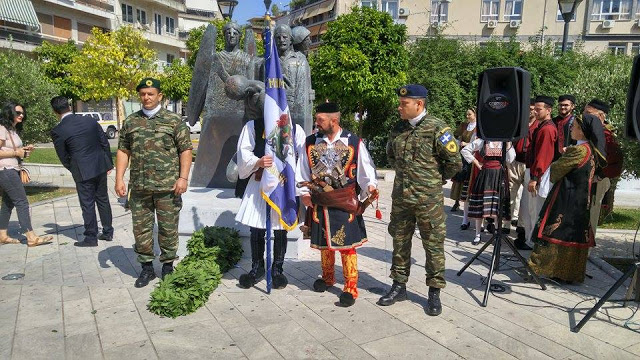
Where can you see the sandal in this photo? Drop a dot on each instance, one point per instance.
(9, 240)
(40, 240)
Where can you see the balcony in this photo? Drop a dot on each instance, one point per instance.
(165, 39)
(101, 8)
(178, 5)
(105, 5)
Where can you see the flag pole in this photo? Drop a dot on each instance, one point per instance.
(267, 19)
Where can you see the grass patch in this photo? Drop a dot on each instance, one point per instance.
(37, 194)
(622, 218)
(49, 156)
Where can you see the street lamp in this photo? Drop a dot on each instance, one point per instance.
(227, 7)
(567, 8)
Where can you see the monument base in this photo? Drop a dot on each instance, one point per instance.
(218, 207)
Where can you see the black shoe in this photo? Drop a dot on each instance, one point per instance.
(491, 228)
(167, 268)
(465, 226)
(520, 231)
(455, 207)
(279, 280)
(105, 237)
(398, 292)
(434, 307)
(506, 231)
(319, 285)
(514, 223)
(521, 243)
(146, 275)
(346, 299)
(87, 243)
(252, 277)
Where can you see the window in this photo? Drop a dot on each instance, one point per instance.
(371, 4)
(635, 49)
(611, 10)
(390, 6)
(158, 20)
(141, 16)
(490, 10)
(127, 13)
(512, 10)
(558, 47)
(170, 25)
(618, 48)
(170, 59)
(559, 15)
(439, 11)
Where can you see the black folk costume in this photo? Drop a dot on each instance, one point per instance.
(333, 229)
(460, 181)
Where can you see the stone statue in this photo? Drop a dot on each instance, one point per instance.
(297, 78)
(301, 40)
(222, 117)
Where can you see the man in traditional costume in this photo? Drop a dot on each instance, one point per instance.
(564, 120)
(538, 160)
(336, 161)
(251, 163)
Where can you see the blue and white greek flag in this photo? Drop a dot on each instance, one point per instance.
(278, 181)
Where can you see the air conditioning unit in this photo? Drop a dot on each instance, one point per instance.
(403, 12)
(608, 24)
(491, 24)
(638, 23)
(514, 24)
(435, 24)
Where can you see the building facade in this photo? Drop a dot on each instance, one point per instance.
(600, 25)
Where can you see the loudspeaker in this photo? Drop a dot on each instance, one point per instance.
(503, 103)
(632, 127)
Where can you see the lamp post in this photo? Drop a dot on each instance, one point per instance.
(567, 8)
(227, 7)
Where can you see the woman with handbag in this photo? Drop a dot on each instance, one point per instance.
(12, 176)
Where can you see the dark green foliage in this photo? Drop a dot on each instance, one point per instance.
(212, 251)
(56, 61)
(24, 81)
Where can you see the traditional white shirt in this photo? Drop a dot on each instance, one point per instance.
(150, 113)
(365, 175)
(413, 122)
(477, 144)
(252, 210)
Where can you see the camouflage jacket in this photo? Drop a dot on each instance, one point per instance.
(155, 144)
(422, 157)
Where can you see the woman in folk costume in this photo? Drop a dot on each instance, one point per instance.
(492, 178)
(335, 151)
(460, 181)
(251, 163)
(563, 233)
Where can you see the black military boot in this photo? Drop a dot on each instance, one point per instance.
(167, 268)
(521, 241)
(257, 260)
(398, 292)
(146, 275)
(434, 307)
(279, 280)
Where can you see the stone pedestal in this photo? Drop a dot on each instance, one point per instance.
(218, 207)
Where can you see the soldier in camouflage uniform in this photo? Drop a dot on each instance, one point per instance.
(423, 152)
(159, 146)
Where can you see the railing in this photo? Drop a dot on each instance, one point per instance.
(105, 5)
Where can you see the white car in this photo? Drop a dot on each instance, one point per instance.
(196, 128)
(108, 126)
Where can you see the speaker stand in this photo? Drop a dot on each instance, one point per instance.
(497, 239)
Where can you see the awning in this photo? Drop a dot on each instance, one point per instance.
(296, 17)
(318, 9)
(19, 12)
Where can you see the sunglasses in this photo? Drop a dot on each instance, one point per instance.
(18, 113)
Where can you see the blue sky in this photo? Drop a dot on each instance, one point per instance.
(247, 9)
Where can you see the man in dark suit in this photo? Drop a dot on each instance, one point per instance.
(83, 149)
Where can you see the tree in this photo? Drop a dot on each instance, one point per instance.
(112, 64)
(25, 82)
(361, 63)
(195, 36)
(275, 10)
(176, 80)
(56, 60)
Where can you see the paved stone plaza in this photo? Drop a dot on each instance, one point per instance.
(80, 303)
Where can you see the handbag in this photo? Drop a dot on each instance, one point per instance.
(344, 199)
(25, 176)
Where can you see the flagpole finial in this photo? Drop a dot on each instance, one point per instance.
(267, 4)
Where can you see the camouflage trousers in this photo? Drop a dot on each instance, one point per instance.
(145, 206)
(430, 219)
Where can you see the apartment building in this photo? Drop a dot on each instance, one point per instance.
(600, 24)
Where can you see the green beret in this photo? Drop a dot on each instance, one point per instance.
(148, 83)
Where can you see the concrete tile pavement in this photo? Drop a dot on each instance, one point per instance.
(81, 303)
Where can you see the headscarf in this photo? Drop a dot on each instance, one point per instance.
(594, 132)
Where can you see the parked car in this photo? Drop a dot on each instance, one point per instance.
(108, 126)
(196, 128)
